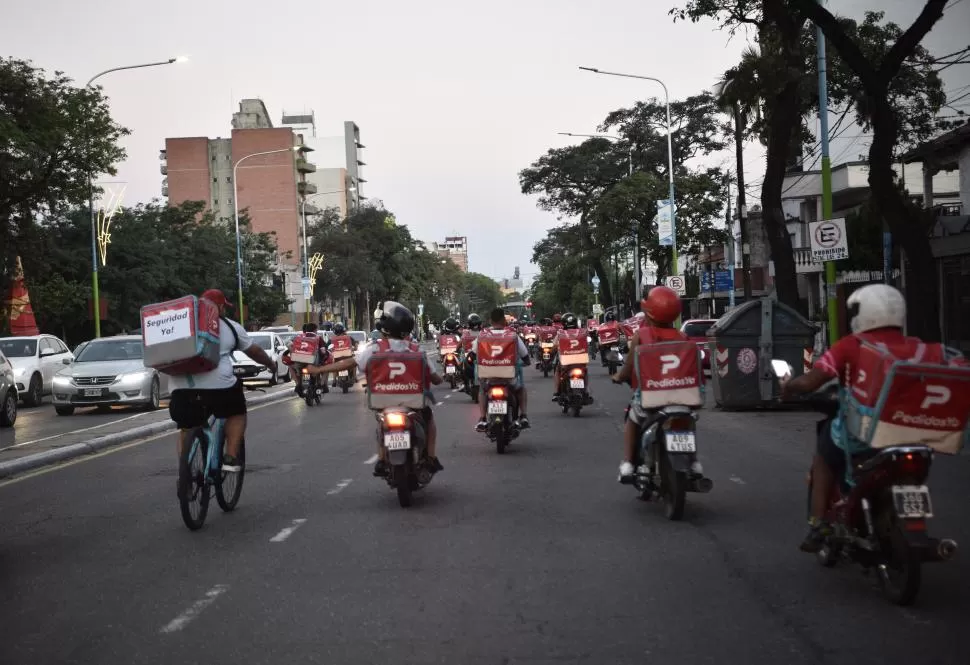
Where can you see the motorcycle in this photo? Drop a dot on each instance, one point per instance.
(593, 343)
(532, 343)
(450, 362)
(576, 396)
(613, 359)
(547, 358)
(667, 460)
(344, 381)
(470, 386)
(404, 438)
(312, 392)
(503, 411)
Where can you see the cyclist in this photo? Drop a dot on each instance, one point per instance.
(217, 392)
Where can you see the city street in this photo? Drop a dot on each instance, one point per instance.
(537, 556)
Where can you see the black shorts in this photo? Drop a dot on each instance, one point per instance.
(825, 447)
(191, 407)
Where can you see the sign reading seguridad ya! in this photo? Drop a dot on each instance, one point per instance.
(167, 326)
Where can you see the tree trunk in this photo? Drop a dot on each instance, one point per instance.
(922, 288)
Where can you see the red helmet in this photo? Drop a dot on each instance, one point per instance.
(662, 305)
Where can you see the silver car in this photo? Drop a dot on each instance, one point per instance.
(35, 359)
(8, 393)
(109, 371)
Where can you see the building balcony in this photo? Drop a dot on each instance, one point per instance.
(804, 262)
(303, 166)
(165, 190)
(306, 188)
(163, 168)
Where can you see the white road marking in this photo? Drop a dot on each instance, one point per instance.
(438, 403)
(340, 486)
(182, 620)
(73, 431)
(287, 532)
(371, 459)
(448, 396)
(735, 479)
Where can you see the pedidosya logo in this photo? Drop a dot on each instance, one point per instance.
(397, 387)
(673, 382)
(923, 420)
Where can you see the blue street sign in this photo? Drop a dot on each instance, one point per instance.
(722, 281)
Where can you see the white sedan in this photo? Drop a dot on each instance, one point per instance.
(246, 368)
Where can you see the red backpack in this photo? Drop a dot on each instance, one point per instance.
(573, 347)
(497, 354)
(305, 349)
(397, 378)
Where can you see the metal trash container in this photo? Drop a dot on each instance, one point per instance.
(742, 345)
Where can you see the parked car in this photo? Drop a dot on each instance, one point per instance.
(277, 329)
(35, 359)
(287, 337)
(244, 366)
(8, 393)
(106, 372)
(359, 337)
(696, 331)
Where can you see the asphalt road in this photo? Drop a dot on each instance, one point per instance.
(537, 556)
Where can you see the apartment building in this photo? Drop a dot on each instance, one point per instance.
(455, 249)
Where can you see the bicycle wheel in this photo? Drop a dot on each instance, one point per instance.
(229, 487)
(193, 492)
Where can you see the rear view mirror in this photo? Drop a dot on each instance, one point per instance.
(67, 361)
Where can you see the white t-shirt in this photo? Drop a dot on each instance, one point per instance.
(399, 345)
(221, 376)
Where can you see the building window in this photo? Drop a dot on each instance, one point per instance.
(215, 180)
(228, 179)
(229, 201)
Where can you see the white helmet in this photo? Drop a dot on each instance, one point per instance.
(876, 306)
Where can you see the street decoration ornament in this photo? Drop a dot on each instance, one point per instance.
(112, 204)
(22, 320)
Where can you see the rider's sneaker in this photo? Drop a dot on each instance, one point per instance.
(626, 471)
(481, 426)
(697, 469)
(815, 538)
(523, 422)
(555, 397)
(433, 465)
(380, 469)
(230, 464)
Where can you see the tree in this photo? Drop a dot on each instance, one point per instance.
(884, 84)
(53, 136)
(481, 294)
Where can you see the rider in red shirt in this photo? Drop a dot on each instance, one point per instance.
(661, 308)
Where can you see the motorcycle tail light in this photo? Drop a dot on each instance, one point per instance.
(497, 392)
(306, 371)
(680, 424)
(576, 373)
(913, 465)
(450, 358)
(395, 420)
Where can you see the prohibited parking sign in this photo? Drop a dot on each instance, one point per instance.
(676, 282)
(829, 241)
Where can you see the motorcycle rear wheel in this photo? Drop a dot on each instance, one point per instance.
(673, 490)
(402, 482)
(901, 578)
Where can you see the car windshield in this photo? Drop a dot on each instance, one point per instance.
(358, 336)
(13, 347)
(95, 352)
(265, 342)
(697, 328)
(286, 338)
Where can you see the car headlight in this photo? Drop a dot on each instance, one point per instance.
(62, 380)
(131, 378)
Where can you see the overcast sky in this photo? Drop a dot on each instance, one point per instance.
(452, 99)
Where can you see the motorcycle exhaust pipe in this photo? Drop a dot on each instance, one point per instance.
(947, 549)
(702, 485)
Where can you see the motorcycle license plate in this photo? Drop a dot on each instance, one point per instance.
(450, 369)
(577, 383)
(397, 440)
(545, 356)
(343, 373)
(498, 408)
(912, 501)
(681, 442)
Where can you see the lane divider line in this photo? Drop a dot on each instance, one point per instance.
(288, 531)
(186, 617)
(371, 459)
(340, 486)
(735, 479)
(73, 431)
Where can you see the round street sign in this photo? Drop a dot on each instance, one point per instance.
(828, 235)
(676, 282)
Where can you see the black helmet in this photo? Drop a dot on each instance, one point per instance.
(450, 325)
(396, 320)
(569, 321)
(546, 321)
(474, 322)
(310, 327)
(338, 329)
(610, 316)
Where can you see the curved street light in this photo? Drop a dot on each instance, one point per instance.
(235, 210)
(95, 286)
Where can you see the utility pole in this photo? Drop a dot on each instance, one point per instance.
(729, 224)
(742, 204)
(823, 119)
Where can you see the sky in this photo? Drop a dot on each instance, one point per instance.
(452, 100)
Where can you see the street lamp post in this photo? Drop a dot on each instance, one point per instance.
(637, 289)
(670, 156)
(95, 286)
(235, 210)
(306, 248)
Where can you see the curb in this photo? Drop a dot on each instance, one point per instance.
(48, 457)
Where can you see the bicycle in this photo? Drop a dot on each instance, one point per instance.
(200, 470)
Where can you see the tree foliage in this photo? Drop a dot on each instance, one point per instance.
(53, 137)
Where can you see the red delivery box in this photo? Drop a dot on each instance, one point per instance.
(181, 336)
(669, 374)
(496, 354)
(305, 349)
(397, 379)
